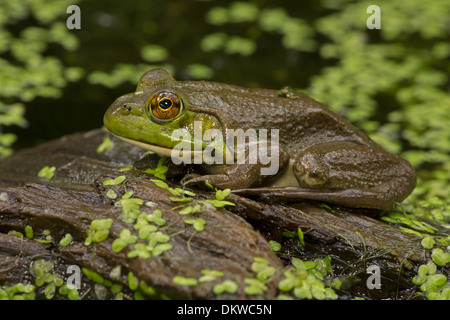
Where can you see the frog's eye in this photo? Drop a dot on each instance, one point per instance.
(165, 105)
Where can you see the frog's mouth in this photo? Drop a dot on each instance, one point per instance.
(162, 151)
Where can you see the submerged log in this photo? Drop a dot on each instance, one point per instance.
(230, 241)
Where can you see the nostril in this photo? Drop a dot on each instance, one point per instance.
(126, 107)
(314, 175)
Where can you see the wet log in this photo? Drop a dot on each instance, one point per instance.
(230, 241)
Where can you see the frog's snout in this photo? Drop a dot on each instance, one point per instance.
(109, 117)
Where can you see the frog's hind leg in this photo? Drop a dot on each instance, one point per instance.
(347, 174)
(373, 198)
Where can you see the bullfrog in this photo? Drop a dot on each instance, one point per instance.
(320, 155)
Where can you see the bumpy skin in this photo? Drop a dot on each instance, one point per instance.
(331, 159)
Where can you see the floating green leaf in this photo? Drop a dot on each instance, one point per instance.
(183, 281)
(160, 170)
(227, 286)
(98, 230)
(428, 242)
(160, 183)
(160, 248)
(125, 238)
(29, 232)
(66, 240)
(106, 145)
(115, 181)
(222, 194)
(133, 282)
(154, 53)
(254, 287)
(140, 250)
(274, 245)
(210, 275)
(300, 236)
(198, 224)
(47, 172)
(219, 203)
(440, 257)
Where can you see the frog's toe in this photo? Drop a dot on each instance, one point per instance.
(190, 179)
(219, 181)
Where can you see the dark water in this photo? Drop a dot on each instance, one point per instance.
(113, 32)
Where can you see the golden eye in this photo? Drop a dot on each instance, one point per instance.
(165, 105)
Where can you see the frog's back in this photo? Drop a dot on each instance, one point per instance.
(302, 122)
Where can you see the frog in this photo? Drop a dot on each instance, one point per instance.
(321, 156)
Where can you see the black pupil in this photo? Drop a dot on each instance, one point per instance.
(165, 104)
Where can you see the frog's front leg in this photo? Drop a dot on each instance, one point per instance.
(245, 172)
(348, 174)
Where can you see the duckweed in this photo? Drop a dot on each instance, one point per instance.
(157, 237)
(18, 291)
(305, 279)
(274, 245)
(146, 230)
(47, 172)
(133, 282)
(93, 276)
(262, 269)
(116, 288)
(126, 168)
(15, 233)
(222, 194)
(191, 209)
(115, 181)
(428, 242)
(290, 280)
(156, 244)
(187, 210)
(174, 199)
(130, 209)
(43, 272)
(177, 192)
(160, 248)
(433, 208)
(182, 281)
(156, 217)
(66, 240)
(140, 250)
(198, 224)
(46, 237)
(111, 194)
(410, 221)
(160, 170)
(254, 287)
(301, 236)
(72, 293)
(220, 203)
(29, 232)
(124, 239)
(160, 183)
(227, 286)
(434, 285)
(128, 194)
(411, 231)
(98, 231)
(284, 297)
(146, 289)
(106, 145)
(210, 275)
(440, 257)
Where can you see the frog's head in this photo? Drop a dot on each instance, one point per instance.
(149, 116)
